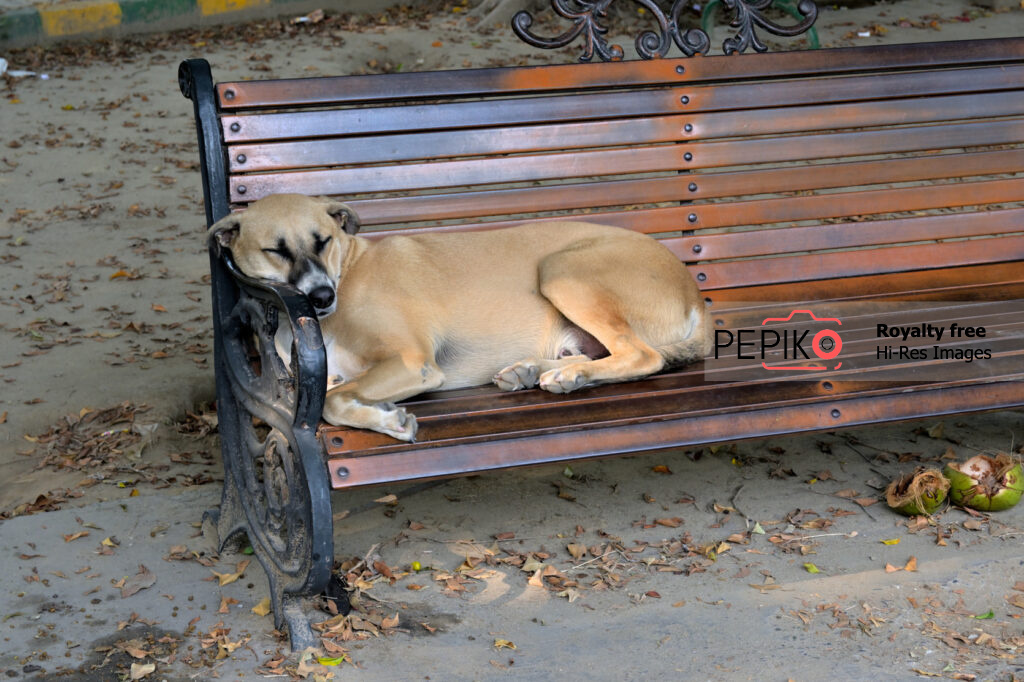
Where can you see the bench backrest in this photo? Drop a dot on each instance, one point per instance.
(751, 167)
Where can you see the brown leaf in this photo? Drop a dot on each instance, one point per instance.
(507, 535)
(911, 564)
(661, 469)
(889, 568)
(848, 493)
(140, 581)
(865, 501)
(390, 622)
(228, 578)
(577, 549)
(414, 525)
(75, 536)
(673, 522)
(225, 604)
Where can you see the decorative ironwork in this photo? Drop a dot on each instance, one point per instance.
(276, 488)
(589, 20)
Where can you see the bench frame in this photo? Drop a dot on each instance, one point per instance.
(277, 487)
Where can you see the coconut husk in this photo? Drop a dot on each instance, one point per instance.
(920, 492)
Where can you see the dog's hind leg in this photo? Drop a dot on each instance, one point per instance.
(367, 401)
(632, 301)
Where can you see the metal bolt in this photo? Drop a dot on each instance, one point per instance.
(692, 187)
(240, 158)
(685, 99)
(242, 189)
(688, 156)
(236, 126)
(835, 414)
(827, 385)
(336, 441)
(229, 94)
(692, 217)
(680, 70)
(701, 277)
(688, 127)
(719, 323)
(697, 248)
(342, 472)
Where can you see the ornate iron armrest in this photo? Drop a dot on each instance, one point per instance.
(276, 487)
(587, 17)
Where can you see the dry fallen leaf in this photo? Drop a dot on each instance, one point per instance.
(503, 644)
(225, 604)
(911, 564)
(228, 578)
(263, 608)
(140, 581)
(140, 670)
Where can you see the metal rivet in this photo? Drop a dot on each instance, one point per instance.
(235, 127)
(680, 70)
(240, 158)
(719, 323)
(336, 441)
(692, 187)
(692, 217)
(229, 94)
(685, 99)
(688, 127)
(342, 472)
(701, 277)
(827, 385)
(697, 248)
(835, 414)
(707, 301)
(688, 156)
(241, 189)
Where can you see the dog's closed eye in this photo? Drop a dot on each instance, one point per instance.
(319, 243)
(282, 250)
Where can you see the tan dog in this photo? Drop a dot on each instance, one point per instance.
(555, 305)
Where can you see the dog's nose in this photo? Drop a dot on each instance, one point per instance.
(322, 297)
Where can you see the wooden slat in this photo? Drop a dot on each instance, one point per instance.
(610, 105)
(817, 266)
(470, 82)
(746, 244)
(392, 148)
(724, 424)
(767, 211)
(772, 121)
(350, 181)
(980, 282)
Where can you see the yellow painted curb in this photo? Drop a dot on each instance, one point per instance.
(208, 7)
(70, 18)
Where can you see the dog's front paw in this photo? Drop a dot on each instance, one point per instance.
(518, 376)
(563, 379)
(397, 422)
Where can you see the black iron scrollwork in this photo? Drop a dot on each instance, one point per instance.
(276, 488)
(589, 20)
(748, 14)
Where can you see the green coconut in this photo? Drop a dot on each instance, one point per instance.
(986, 483)
(917, 493)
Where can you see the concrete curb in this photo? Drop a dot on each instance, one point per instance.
(50, 22)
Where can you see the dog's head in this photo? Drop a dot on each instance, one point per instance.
(294, 239)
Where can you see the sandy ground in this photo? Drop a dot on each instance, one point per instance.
(106, 347)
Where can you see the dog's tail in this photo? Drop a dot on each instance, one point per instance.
(695, 343)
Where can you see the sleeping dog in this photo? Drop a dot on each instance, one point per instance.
(558, 306)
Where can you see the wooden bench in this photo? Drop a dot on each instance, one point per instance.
(856, 177)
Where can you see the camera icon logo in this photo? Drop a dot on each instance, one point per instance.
(826, 344)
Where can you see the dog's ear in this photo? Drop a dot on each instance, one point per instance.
(224, 231)
(346, 217)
